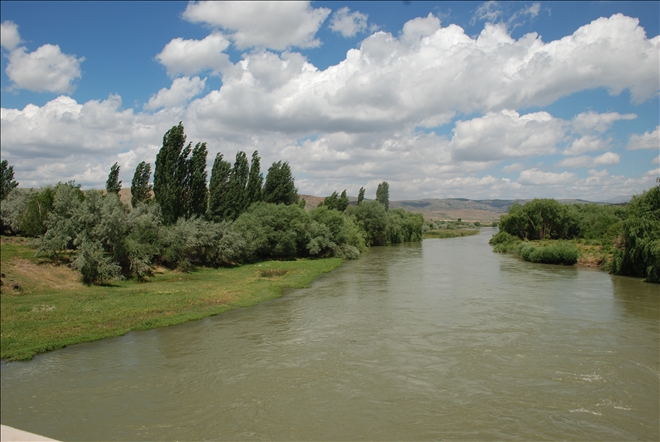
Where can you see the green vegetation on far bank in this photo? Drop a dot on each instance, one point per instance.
(45, 306)
(449, 233)
(624, 240)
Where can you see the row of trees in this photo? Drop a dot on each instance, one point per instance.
(633, 230)
(178, 222)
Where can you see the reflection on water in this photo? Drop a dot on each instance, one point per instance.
(443, 339)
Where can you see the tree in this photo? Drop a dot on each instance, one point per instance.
(637, 250)
(140, 187)
(342, 202)
(8, 182)
(279, 187)
(196, 182)
(113, 184)
(170, 174)
(331, 201)
(372, 218)
(360, 196)
(255, 180)
(219, 189)
(238, 178)
(383, 194)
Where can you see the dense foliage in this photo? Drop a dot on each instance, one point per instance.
(631, 233)
(638, 244)
(238, 219)
(7, 182)
(113, 184)
(140, 187)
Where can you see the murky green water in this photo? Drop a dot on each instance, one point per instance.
(440, 340)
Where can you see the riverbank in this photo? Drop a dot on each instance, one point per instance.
(449, 233)
(45, 306)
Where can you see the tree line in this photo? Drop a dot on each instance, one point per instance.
(631, 231)
(180, 221)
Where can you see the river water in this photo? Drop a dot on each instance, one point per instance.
(438, 340)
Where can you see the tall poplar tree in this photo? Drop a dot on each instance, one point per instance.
(219, 189)
(255, 180)
(237, 186)
(360, 196)
(140, 187)
(170, 174)
(113, 184)
(383, 194)
(196, 182)
(279, 187)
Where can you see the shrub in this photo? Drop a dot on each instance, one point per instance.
(563, 252)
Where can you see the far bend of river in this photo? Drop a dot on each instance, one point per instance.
(438, 340)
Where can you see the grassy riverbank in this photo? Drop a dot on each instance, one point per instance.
(45, 306)
(449, 233)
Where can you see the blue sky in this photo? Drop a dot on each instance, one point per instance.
(440, 99)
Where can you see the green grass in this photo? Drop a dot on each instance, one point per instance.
(53, 309)
(449, 233)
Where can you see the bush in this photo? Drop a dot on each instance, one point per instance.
(563, 252)
(503, 242)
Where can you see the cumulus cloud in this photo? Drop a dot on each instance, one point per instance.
(587, 143)
(607, 158)
(648, 140)
(181, 91)
(45, 70)
(429, 73)
(9, 37)
(189, 57)
(587, 122)
(515, 167)
(348, 23)
(536, 177)
(62, 127)
(506, 134)
(274, 25)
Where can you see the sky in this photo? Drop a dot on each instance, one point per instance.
(474, 100)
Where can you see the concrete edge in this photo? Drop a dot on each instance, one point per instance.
(9, 434)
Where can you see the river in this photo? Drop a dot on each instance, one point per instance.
(437, 340)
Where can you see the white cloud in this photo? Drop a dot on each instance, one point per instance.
(9, 37)
(348, 23)
(607, 158)
(515, 167)
(587, 143)
(587, 122)
(181, 91)
(656, 160)
(62, 127)
(274, 25)
(189, 57)
(536, 177)
(45, 70)
(648, 140)
(430, 73)
(416, 29)
(506, 134)
(488, 11)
